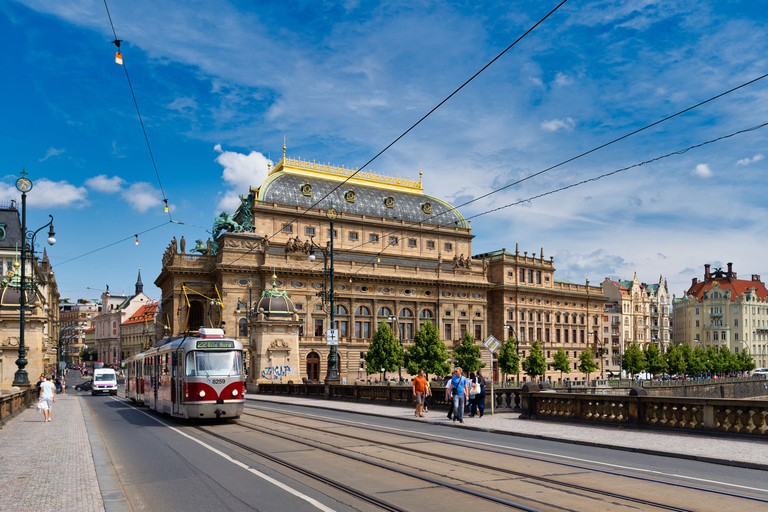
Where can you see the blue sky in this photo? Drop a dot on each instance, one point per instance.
(221, 83)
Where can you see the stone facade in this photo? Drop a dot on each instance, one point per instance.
(723, 310)
(75, 319)
(41, 320)
(397, 252)
(139, 331)
(635, 313)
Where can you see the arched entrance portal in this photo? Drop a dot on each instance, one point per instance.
(313, 367)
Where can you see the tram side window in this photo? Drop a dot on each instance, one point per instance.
(190, 366)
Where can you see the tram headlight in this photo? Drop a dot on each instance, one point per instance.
(234, 392)
(201, 394)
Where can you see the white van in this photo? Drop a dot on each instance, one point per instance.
(104, 381)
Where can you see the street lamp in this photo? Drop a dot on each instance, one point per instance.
(24, 185)
(328, 295)
(600, 348)
(393, 318)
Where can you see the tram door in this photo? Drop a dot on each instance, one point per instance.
(176, 387)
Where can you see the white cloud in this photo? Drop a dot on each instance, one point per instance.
(46, 193)
(181, 104)
(51, 152)
(702, 171)
(747, 161)
(102, 183)
(240, 172)
(562, 79)
(142, 196)
(559, 124)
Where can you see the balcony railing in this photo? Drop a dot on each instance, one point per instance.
(715, 313)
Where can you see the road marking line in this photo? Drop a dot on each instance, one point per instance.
(269, 479)
(536, 452)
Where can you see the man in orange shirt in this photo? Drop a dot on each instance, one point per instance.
(420, 392)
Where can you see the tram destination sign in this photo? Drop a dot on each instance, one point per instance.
(215, 344)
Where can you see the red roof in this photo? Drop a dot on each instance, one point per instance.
(736, 286)
(145, 313)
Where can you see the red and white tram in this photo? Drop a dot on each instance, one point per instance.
(200, 375)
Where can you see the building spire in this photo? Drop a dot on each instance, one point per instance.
(139, 284)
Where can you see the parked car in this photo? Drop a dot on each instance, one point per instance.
(85, 386)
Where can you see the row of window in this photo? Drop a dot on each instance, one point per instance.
(545, 316)
(354, 236)
(531, 275)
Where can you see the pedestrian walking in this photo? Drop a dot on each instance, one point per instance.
(37, 384)
(420, 392)
(427, 397)
(47, 397)
(57, 382)
(457, 391)
(478, 405)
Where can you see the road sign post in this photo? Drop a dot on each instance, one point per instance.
(332, 337)
(492, 344)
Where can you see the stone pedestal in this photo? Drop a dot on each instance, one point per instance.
(274, 349)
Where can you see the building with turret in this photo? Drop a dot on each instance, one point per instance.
(724, 311)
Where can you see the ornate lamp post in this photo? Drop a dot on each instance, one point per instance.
(24, 185)
(328, 295)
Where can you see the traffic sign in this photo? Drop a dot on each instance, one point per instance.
(491, 343)
(332, 337)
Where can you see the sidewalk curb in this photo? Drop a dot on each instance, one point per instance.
(644, 451)
(111, 491)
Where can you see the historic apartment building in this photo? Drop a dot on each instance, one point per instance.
(139, 331)
(41, 320)
(635, 313)
(400, 256)
(75, 319)
(115, 309)
(724, 311)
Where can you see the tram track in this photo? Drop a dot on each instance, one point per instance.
(542, 479)
(348, 489)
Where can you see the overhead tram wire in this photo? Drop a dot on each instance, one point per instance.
(141, 121)
(416, 123)
(572, 185)
(113, 243)
(667, 118)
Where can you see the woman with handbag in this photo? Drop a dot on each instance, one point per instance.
(478, 389)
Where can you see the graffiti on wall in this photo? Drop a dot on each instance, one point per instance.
(275, 372)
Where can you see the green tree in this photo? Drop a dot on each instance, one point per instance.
(654, 360)
(676, 362)
(587, 362)
(633, 360)
(428, 352)
(535, 364)
(717, 360)
(697, 364)
(467, 354)
(509, 359)
(384, 351)
(89, 354)
(561, 362)
(744, 362)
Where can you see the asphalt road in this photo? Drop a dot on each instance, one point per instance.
(163, 464)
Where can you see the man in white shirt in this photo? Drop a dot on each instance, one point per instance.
(47, 397)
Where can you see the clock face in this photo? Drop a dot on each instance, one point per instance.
(332, 213)
(24, 184)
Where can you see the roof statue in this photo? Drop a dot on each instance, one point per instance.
(200, 247)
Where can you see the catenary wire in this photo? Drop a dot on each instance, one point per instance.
(414, 125)
(270, 237)
(113, 243)
(138, 112)
(560, 189)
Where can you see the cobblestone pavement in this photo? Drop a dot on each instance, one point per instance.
(48, 466)
(704, 447)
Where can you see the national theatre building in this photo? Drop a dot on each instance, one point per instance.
(399, 256)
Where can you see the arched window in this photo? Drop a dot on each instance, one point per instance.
(425, 313)
(406, 312)
(362, 310)
(341, 310)
(384, 311)
(243, 327)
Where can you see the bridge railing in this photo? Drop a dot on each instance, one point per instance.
(13, 403)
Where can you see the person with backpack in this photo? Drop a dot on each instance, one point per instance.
(457, 390)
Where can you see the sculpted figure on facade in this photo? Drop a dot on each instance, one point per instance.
(182, 245)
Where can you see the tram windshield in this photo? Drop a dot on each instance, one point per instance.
(207, 364)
